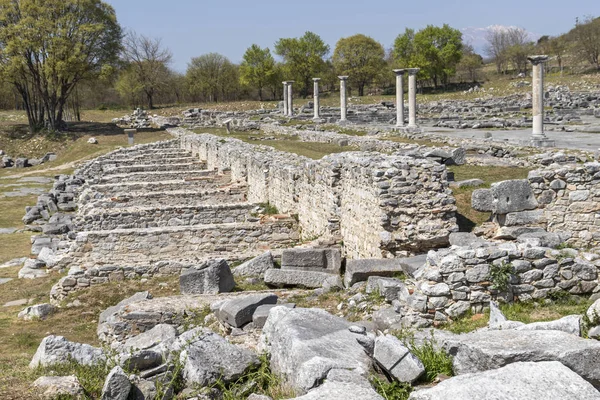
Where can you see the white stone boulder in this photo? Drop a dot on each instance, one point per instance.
(486, 350)
(521, 380)
(307, 344)
(58, 350)
(52, 387)
(397, 360)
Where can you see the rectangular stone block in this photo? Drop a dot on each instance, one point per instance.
(361, 270)
(300, 278)
(320, 260)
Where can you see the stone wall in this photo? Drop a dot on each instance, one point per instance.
(460, 279)
(570, 200)
(323, 194)
(563, 199)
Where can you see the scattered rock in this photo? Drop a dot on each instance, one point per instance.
(397, 360)
(255, 267)
(116, 386)
(57, 350)
(52, 387)
(39, 311)
(238, 312)
(211, 277)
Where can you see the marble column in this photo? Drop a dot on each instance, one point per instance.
(399, 97)
(290, 97)
(412, 97)
(343, 101)
(316, 98)
(538, 96)
(285, 98)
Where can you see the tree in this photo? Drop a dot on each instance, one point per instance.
(257, 68)
(435, 50)
(129, 87)
(213, 77)
(149, 63)
(303, 58)
(470, 64)
(361, 58)
(586, 36)
(48, 47)
(509, 45)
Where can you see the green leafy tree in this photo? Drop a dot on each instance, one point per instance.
(129, 87)
(435, 50)
(213, 78)
(361, 58)
(304, 59)
(470, 64)
(47, 47)
(257, 68)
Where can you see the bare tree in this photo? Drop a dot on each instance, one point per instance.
(509, 45)
(149, 62)
(586, 36)
(496, 47)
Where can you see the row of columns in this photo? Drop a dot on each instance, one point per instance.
(288, 105)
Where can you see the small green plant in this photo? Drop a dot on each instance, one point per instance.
(268, 209)
(436, 361)
(91, 377)
(500, 276)
(391, 390)
(260, 380)
(195, 317)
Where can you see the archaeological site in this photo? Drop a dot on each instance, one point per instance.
(407, 226)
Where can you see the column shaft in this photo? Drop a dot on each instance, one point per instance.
(290, 99)
(285, 98)
(316, 98)
(412, 97)
(343, 101)
(399, 97)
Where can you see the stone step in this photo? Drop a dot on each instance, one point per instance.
(182, 243)
(226, 195)
(147, 176)
(146, 160)
(202, 183)
(158, 167)
(95, 219)
(123, 157)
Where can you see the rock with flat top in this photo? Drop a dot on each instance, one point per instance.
(238, 312)
(52, 387)
(521, 380)
(210, 277)
(58, 350)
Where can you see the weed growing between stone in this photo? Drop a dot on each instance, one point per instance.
(391, 390)
(436, 361)
(91, 377)
(260, 380)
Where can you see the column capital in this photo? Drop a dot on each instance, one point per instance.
(343, 78)
(290, 82)
(316, 79)
(539, 59)
(285, 82)
(413, 71)
(399, 71)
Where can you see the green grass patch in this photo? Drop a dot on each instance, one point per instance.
(14, 245)
(390, 390)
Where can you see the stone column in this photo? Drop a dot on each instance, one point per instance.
(538, 96)
(290, 99)
(285, 98)
(399, 97)
(343, 102)
(412, 97)
(130, 136)
(316, 98)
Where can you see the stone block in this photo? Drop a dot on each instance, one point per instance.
(296, 278)
(397, 360)
(238, 312)
(211, 277)
(482, 200)
(512, 196)
(320, 260)
(361, 270)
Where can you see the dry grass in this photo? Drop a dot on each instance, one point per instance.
(19, 339)
(288, 144)
(12, 246)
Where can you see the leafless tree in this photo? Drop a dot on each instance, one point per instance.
(149, 61)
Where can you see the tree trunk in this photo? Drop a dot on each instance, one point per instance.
(361, 89)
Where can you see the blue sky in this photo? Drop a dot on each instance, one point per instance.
(194, 27)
